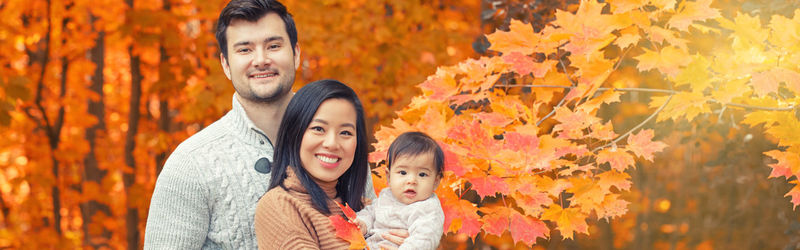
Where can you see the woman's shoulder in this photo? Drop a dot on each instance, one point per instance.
(279, 197)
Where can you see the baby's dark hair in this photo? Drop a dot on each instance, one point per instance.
(414, 144)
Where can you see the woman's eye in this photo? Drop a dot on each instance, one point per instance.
(317, 129)
(347, 133)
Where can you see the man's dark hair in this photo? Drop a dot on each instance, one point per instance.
(298, 116)
(251, 11)
(414, 144)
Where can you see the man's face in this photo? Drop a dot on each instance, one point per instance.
(261, 63)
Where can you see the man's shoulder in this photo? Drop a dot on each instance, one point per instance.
(204, 140)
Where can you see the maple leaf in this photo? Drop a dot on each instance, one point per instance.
(527, 229)
(532, 203)
(614, 178)
(552, 186)
(588, 37)
(612, 206)
(461, 216)
(489, 185)
(587, 194)
(520, 142)
(795, 194)
(730, 90)
(621, 6)
(520, 38)
(348, 229)
(788, 164)
(572, 123)
(617, 158)
(439, 87)
(767, 82)
(690, 12)
(667, 60)
(696, 74)
(493, 119)
(568, 220)
(660, 35)
(524, 65)
(642, 144)
(683, 104)
(628, 36)
(496, 219)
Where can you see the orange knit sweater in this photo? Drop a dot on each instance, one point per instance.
(285, 219)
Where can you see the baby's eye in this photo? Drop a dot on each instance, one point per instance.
(402, 172)
(423, 174)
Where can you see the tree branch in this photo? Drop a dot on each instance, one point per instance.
(665, 91)
(637, 126)
(564, 98)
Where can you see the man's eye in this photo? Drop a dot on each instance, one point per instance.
(245, 50)
(274, 46)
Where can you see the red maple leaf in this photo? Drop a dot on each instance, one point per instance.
(795, 194)
(461, 216)
(642, 144)
(495, 220)
(526, 228)
(348, 229)
(489, 185)
(788, 164)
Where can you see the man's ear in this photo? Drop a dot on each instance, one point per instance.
(296, 56)
(225, 66)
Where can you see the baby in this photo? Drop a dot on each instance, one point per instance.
(414, 168)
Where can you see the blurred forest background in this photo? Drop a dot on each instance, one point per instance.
(94, 95)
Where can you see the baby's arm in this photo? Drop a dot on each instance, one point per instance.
(426, 226)
(366, 218)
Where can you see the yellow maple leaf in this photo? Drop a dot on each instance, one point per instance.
(690, 12)
(667, 60)
(520, 38)
(568, 220)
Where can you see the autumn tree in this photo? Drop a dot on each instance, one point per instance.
(529, 154)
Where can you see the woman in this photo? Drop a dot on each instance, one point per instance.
(320, 157)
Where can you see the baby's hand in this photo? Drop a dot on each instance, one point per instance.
(362, 226)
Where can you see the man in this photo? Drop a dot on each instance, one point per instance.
(206, 194)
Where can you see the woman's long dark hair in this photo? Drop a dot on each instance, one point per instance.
(298, 115)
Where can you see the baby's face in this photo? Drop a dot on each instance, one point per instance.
(413, 178)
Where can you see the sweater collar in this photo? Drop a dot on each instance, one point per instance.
(247, 129)
(292, 182)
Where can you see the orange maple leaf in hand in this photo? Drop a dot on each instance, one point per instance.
(348, 229)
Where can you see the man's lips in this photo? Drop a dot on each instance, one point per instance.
(265, 74)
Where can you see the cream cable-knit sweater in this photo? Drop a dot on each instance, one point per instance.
(206, 194)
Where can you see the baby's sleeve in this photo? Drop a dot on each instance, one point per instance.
(367, 215)
(426, 225)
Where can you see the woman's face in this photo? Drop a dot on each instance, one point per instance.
(329, 142)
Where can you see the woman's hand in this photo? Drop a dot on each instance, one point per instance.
(396, 236)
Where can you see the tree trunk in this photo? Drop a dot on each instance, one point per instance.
(132, 216)
(92, 171)
(163, 104)
(129, 179)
